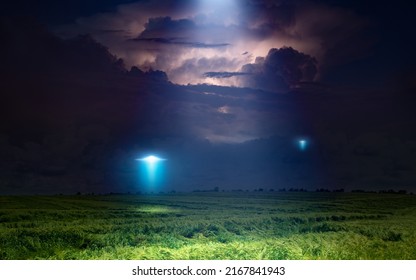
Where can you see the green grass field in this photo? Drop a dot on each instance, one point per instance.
(209, 226)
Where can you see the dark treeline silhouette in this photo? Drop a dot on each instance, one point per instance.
(216, 189)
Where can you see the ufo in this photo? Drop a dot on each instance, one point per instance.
(302, 144)
(151, 159)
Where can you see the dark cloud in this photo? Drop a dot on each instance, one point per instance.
(280, 69)
(196, 68)
(38, 50)
(166, 27)
(220, 75)
(272, 16)
(66, 107)
(51, 12)
(180, 42)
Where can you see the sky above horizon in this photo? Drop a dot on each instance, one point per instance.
(224, 89)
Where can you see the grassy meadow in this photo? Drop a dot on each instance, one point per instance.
(275, 225)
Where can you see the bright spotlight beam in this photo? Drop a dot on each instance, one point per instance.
(151, 171)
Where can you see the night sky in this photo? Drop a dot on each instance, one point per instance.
(224, 90)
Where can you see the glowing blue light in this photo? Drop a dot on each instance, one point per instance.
(151, 172)
(303, 144)
(151, 159)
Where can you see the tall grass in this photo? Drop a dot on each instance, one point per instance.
(209, 226)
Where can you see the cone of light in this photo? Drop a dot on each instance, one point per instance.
(151, 171)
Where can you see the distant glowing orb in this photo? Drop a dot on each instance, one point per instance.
(302, 144)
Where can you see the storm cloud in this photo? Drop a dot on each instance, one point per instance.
(167, 38)
(280, 69)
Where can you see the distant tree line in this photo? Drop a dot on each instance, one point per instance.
(217, 189)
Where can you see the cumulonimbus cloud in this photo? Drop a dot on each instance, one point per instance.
(279, 70)
(159, 35)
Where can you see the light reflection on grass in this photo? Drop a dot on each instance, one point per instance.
(156, 209)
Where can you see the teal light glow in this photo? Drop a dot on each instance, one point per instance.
(302, 144)
(151, 159)
(151, 172)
